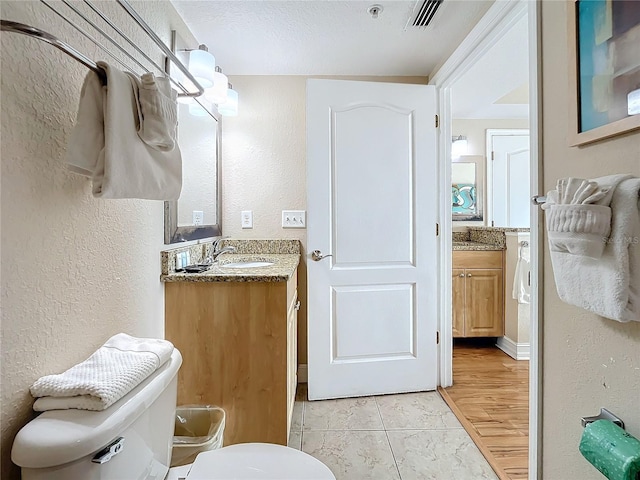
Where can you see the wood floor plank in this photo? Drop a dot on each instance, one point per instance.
(490, 397)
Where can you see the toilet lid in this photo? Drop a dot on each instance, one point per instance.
(257, 461)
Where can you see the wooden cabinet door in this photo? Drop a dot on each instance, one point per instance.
(483, 300)
(292, 359)
(458, 287)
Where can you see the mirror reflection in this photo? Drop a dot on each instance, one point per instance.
(196, 214)
(197, 135)
(466, 188)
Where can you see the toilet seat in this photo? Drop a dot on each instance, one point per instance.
(258, 461)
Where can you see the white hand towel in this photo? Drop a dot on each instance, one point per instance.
(158, 111)
(521, 289)
(105, 377)
(578, 216)
(578, 229)
(608, 286)
(120, 164)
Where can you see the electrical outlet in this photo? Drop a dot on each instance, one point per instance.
(198, 217)
(294, 219)
(246, 219)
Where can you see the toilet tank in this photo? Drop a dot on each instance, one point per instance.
(66, 444)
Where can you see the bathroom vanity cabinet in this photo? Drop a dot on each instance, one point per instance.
(477, 286)
(238, 343)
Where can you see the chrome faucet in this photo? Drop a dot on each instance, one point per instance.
(216, 251)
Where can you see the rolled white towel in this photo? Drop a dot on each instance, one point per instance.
(158, 112)
(578, 229)
(105, 377)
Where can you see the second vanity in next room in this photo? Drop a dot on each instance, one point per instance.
(478, 281)
(237, 331)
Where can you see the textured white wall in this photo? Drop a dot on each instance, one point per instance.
(264, 163)
(75, 270)
(589, 362)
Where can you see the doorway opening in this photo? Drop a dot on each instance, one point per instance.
(489, 352)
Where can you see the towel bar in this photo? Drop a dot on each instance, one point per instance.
(538, 199)
(10, 26)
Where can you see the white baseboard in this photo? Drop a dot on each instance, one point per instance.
(518, 351)
(302, 373)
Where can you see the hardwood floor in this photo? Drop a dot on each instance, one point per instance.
(490, 397)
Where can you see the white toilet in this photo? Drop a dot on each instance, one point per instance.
(131, 440)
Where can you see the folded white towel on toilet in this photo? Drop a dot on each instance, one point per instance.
(109, 374)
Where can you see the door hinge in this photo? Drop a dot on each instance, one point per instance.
(493, 223)
(437, 229)
(493, 155)
(437, 337)
(437, 121)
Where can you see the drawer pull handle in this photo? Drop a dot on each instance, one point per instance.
(469, 275)
(297, 307)
(461, 275)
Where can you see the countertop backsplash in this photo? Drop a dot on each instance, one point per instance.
(198, 253)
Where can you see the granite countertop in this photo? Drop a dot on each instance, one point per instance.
(468, 245)
(284, 265)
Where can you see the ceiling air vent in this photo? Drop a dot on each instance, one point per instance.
(426, 12)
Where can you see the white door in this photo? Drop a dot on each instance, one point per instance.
(372, 202)
(510, 180)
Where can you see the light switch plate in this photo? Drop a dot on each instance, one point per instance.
(294, 219)
(246, 218)
(198, 217)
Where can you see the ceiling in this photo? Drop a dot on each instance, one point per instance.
(329, 37)
(497, 85)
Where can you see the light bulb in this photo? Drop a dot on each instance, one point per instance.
(230, 107)
(202, 65)
(197, 110)
(218, 92)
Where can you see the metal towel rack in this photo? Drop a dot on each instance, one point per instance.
(9, 26)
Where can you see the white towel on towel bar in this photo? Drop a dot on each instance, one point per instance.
(578, 215)
(105, 377)
(157, 111)
(105, 145)
(610, 285)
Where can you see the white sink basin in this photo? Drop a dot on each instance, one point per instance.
(247, 264)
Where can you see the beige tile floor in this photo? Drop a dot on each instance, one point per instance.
(411, 436)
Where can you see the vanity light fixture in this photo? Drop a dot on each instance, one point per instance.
(458, 146)
(198, 108)
(230, 107)
(202, 65)
(218, 92)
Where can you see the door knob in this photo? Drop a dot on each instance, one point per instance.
(317, 255)
(461, 275)
(468, 275)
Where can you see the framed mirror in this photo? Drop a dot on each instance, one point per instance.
(467, 188)
(197, 213)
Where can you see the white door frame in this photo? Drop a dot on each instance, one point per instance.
(493, 25)
(491, 132)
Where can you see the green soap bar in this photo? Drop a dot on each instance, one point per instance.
(611, 450)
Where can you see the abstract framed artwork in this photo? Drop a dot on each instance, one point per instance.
(604, 68)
